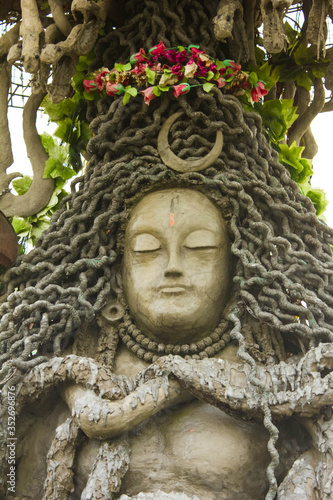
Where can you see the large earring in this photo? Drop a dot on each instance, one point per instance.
(111, 314)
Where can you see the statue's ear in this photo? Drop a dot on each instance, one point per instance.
(112, 312)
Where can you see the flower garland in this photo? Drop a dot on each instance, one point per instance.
(163, 69)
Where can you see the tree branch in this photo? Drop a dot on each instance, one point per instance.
(9, 39)
(59, 17)
(31, 29)
(40, 191)
(304, 121)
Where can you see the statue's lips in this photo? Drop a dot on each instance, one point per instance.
(172, 290)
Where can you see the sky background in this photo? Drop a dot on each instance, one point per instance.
(322, 128)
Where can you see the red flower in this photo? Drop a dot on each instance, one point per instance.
(148, 94)
(202, 70)
(177, 69)
(99, 81)
(183, 88)
(113, 89)
(213, 67)
(158, 50)
(89, 85)
(235, 66)
(220, 82)
(139, 57)
(171, 55)
(258, 91)
(140, 69)
(181, 57)
(196, 51)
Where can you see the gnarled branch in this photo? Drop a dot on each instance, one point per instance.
(40, 191)
(31, 30)
(304, 121)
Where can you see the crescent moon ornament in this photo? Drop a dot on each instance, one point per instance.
(178, 164)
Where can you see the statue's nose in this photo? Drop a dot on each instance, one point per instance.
(175, 264)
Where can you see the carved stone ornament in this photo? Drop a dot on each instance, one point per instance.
(178, 164)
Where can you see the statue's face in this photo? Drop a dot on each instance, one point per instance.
(176, 269)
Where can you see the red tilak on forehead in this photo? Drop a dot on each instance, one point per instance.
(172, 213)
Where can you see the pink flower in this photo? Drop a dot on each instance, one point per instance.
(177, 69)
(157, 66)
(148, 94)
(258, 91)
(171, 55)
(220, 82)
(113, 89)
(158, 50)
(196, 51)
(89, 85)
(99, 79)
(183, 88)
(139, 57)
(235, 66)
(213, 68)
(181, 57)
(139, 69)
(201, 69)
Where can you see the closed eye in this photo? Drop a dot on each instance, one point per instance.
(201, 247)
(201, 239)
(145, 243)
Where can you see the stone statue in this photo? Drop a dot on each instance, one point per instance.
(170, 335)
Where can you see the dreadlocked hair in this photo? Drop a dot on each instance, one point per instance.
(283, 262)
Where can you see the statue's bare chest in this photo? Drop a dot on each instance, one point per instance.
(196, 448)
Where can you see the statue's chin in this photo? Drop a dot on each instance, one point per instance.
(173, 328)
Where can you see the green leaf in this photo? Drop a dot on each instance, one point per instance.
(21, 226)
(151, 75)
(54, 168)
(303, 55)
(22, 185)
(291, 156)
(38, 229)
(47, 141)
(304, 81)
(318, 198)
(64, 130)
(88, 96)
(119, 67)
(253, 78)
(132, 90)
(278, 116)
(292, 34)
(268, 75)
(210, 75)
(127, 67)
(163, 89)
(219, 64)
(157, 90)
(208, 86)
(126, 97)
(319, 71)
(58, 111)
